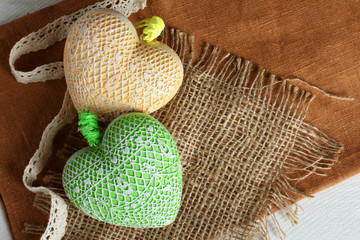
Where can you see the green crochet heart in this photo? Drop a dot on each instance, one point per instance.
(133, 178)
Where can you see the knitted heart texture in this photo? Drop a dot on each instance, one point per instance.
(110, 71)
(132, 178)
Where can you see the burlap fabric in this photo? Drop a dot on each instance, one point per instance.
(318, 63)
(241, 137)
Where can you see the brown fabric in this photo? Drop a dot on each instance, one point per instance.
(315, 41)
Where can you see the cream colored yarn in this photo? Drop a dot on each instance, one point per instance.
(110, 71)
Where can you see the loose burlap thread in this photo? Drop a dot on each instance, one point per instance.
(243, 145)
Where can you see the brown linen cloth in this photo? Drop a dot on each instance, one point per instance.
(315, 41)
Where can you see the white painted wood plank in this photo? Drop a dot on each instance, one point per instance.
(13, 9)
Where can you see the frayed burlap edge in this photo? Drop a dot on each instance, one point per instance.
(313, 152)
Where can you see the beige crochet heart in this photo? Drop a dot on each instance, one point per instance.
(110, 71)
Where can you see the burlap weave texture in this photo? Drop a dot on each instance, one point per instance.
(241, 137)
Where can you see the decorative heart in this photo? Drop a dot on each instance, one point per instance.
(110, 71)
(133, 178)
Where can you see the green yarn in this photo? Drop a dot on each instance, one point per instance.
(89, 127)
(153, 28)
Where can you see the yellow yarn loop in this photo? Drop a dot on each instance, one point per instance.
(153, 28)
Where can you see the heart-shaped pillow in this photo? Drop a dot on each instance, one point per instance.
(110, 71)
(133, 178)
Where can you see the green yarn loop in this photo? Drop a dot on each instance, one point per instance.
(89, 127)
